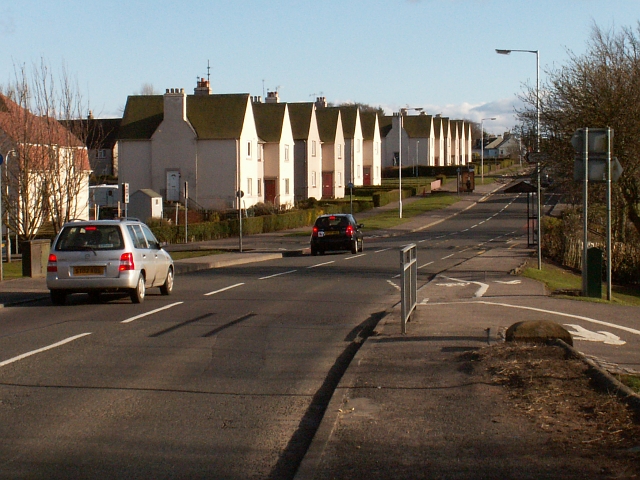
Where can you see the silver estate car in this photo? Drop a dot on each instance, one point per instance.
(107, 256)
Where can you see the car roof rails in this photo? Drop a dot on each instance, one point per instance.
(129, 219)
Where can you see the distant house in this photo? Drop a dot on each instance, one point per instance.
(353, 141)
(46, 172)
(420, 140)
(205, 139)
(372, 149)
(307, 151)
(276, 140)
(101, 139)
(503, 146)
(332, 137)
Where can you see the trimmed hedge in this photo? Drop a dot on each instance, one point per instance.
(198, 232)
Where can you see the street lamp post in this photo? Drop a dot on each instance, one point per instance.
(538, 229)
(482, 147)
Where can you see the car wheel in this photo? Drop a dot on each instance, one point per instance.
(137, 294)
(361, 245)
(58, 297)
(354, 247)
(167, 287)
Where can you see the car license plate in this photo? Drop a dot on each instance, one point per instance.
(332, 232)
(88, 271)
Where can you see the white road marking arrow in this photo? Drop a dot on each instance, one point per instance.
(510, 282)
(589, 336)
(460, 284)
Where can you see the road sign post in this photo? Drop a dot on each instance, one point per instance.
(593, 162)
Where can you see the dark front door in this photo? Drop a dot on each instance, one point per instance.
(270, 190)
(327, 184)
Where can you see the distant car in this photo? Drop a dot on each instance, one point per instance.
(107, 256)
(338, 231)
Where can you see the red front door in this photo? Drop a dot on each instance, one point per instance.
(327, 184)
(269, 190)
(366, 171)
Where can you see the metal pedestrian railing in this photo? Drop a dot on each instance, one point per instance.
(409, 283)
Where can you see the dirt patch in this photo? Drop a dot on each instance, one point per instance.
(556, 392)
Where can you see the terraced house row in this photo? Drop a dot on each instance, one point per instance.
(270, 151)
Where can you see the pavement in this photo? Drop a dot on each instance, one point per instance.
(405, 407)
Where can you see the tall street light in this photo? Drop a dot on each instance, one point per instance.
(538, 229)
(482, 147)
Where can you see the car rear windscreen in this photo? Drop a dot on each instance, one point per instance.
(90, 237)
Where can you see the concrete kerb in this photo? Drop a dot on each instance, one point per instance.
(604, 379)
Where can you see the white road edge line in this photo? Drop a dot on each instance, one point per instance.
(552, 312)
(223, 289)
(383, 250)
(356, 256)
(277, 274)
(426, 264)
(321, 264)
(129, 320)
(43, 349)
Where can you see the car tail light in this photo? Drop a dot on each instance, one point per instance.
(52, 266)
(350, 230)
(126, 262)
(314, 233)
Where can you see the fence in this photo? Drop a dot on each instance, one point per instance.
(409, 283)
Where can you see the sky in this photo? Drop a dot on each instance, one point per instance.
(438, 55)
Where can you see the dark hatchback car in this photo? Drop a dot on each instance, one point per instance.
(338, 231)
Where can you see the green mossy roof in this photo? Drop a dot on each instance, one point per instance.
(368, 122)
(142, 115)
(417, 126)
(300, 117)
(269, 118)
(328, 123)
(212, 116)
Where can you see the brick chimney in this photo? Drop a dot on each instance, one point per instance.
(203, 87)
(272, 97)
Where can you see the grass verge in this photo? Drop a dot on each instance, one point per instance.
(561, 281)
(194, 253)
(12, 270)
(390, 218)
(631, 381)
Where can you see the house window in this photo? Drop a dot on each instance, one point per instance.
(377, 147)
(101, 154)
(339, 179)
(286, 186)
(286, 153)
(249, 186)
(358, 145)
(248, 149)
(339, 151)
(259, 187)
(313, 179)
(359, 170)
(313, 148)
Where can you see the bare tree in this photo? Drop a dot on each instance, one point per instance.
(147, 89)
(47, 170)
(600, 88)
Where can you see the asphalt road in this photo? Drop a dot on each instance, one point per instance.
(231, 375)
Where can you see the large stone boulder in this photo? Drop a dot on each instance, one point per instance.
(537, 331)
